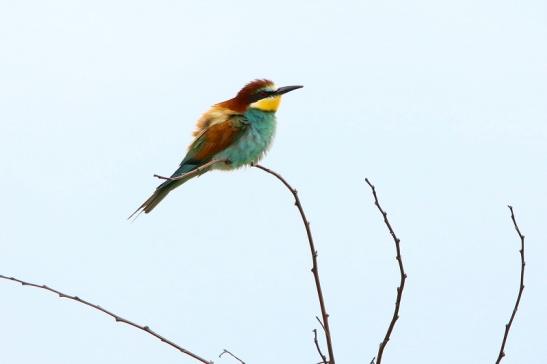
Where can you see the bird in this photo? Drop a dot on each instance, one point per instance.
(231, 134)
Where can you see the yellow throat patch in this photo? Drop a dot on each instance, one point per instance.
(268, 104)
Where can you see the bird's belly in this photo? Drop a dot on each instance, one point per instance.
(249, 148)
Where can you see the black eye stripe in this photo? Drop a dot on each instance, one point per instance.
(262, 94)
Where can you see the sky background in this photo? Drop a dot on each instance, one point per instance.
(442, 104)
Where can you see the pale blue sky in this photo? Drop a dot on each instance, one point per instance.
(442, 104)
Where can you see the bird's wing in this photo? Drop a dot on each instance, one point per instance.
(215, 138)
(215, 115)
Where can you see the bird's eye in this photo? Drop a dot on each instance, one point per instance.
(261, 94)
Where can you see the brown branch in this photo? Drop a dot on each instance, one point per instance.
(521, 287)
(197, 171)
(323, 357)
(315, 269)
(231, 354)
(403, 277)
(113, 315)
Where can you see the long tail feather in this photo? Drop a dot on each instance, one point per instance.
(163, 190)
(148, 205)
(151, 202)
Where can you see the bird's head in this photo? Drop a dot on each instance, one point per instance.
(259, 94)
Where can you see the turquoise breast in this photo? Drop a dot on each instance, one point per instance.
(254, 142)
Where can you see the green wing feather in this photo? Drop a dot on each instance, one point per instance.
(210, 141)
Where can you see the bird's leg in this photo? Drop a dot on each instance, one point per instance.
(199, 170)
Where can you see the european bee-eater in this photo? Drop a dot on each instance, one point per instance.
(229, 135)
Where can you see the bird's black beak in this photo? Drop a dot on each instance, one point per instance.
(285, 89)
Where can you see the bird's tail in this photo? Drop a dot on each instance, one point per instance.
(163, 190)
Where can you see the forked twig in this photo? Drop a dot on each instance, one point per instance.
(315, 269)
(197, 171)
(113, 315)
(231, 354)
(320, 323)
(403, 277)
(521, 287)
(316, 342)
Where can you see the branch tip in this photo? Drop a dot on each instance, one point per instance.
(224, 351)
(521, 287)
(403, 276)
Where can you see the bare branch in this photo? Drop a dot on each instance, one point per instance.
(118, 318)
(521, 288)
(323, 357)
(198, 171)
(403, 277)
(315, 269)
(231, 354)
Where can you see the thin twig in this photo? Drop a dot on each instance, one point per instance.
(315, 269)
(324, 361)
(320, 322)
(197, 171)
(317, 342)
(521, 287)
(231, 354)
(403, 277)
(113, 315)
